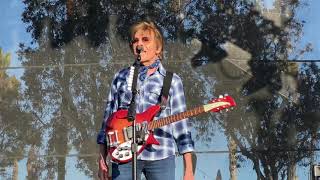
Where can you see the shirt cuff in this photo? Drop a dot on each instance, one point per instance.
(101, 139)
(186, 149)
(185, 143)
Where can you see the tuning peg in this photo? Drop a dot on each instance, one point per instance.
(227, 110)
(226, 94)
(220, 96)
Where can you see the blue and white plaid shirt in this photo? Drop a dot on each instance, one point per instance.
(149, 91)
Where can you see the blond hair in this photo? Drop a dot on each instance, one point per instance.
(148, 26)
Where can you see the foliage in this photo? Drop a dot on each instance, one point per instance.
(17, 130)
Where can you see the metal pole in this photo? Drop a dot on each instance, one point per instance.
(132, 116)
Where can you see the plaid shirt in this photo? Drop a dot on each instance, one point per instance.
(149, 91)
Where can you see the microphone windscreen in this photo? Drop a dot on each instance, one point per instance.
(139, 49)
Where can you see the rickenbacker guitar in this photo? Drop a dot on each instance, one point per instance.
(119, 129)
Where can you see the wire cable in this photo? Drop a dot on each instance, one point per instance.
(170, 62)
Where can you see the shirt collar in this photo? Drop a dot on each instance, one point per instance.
(161, 69)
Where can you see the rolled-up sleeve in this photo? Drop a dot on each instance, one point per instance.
(180, 129)
(111, 106)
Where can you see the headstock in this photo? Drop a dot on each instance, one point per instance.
(218, 104)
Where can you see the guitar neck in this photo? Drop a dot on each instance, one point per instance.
(176, 117)
(214, 106)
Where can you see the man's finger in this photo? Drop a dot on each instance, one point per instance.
(101, 175)
(105, 173)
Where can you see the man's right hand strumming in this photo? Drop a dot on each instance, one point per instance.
(103, 173)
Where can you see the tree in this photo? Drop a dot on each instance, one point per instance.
(17, 130)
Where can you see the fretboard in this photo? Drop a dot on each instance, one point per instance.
(176, 117)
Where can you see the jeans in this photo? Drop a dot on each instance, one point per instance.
(153, 170)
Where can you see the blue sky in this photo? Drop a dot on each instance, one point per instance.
(13, 32)
(12, 29)
(311, 15)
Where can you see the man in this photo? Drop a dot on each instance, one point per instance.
(155, 161)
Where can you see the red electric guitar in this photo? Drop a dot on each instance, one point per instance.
(119, 129)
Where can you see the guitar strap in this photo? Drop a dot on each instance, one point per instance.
(165, 89)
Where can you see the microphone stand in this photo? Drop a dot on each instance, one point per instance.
(132, 115)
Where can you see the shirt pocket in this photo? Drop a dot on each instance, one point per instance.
(154, 96)
(124, 97)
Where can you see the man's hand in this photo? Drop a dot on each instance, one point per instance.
(188, 175)
(103, 172)
(103, 169)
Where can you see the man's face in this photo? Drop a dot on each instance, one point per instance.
(146, 39)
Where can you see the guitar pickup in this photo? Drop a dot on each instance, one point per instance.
(141, 131)
(127, 132)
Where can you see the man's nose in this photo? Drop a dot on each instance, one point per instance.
(140, 42)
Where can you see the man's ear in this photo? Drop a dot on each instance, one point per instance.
(159, 49)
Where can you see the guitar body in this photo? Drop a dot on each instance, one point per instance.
(119, 146)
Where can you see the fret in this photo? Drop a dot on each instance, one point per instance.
(174, 117)
(168, 120)
(180, 116)
(189, 113)
(192, 112)
(196, 110)
(184, 115)
(151, 125)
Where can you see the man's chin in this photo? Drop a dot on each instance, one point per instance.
(146, 62)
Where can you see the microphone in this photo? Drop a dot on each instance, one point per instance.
(139, 49)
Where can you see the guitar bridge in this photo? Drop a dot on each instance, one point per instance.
(113, 139)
